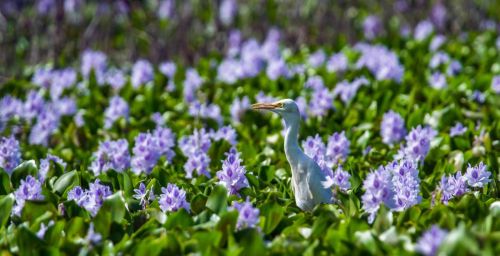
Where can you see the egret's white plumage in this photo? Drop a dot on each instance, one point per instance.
(307, 178)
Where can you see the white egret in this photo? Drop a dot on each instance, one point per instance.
(308, 181)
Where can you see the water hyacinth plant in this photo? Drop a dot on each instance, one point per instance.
(138, 127)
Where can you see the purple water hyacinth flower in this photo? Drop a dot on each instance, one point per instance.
(117, 108)
(234, 42)
(439, 14)
(277, 68)
(452, 186)
(239, 107)
(438, 80)
(143, 195)
(10, 153)
(173, 199)
(166, 9)
(11, 107)
(157, 118)
(317, 59)
(262, 97)
(392, 128)
(406, 185)
(168, 68)
(314, 82)
(372, 26)
(232, 175)
(381, 62)
(45, 6)
(314, 148)
(72, 6)
(195, 147)
(45, 166)
(227, 10)
(423, 30)
(418, 143)
(76, 193)
(165, 142)
(145, 154)
(226, 133)
(405, 31)
(92, 236)
(248, 216)
(34, 105)
(61, 79)
(302, 105)
(457, 130)
(251, 58)
(428, 244)
(192, 82)
(65, 106)
(43, 229)
(495, 84)
(142, 72)
(46, 125)
(478, 96)
(454, 68)
(115, 78)
(200, 139)
(477, 176)
(42, 77)
(337, 149)
(270, 49)
(439, 58)
(111, 155)
(78, 119)
(378, 191)
(96, 61)
(321, 101)
(340, 179)
(297, 70)
(437, 42)
(198, 161)
(30, 189)
(347, 90)
(149, 147)
(91, 199)
(205, 110)
(337, 63)
(229, 71)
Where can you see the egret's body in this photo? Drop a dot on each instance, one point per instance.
(307, 178)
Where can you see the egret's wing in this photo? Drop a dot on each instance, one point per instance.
(317, 182)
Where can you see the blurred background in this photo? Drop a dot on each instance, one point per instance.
(58, 31)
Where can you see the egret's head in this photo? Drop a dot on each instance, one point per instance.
(286, 108)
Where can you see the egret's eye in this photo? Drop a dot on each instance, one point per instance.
(281, 105)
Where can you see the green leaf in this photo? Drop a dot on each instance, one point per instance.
(5, 183)
(180, 219)
(34, 209)
(28, 242)
(6, 203)
(273, 213)
(22, 171)
(113, 210)
(251, 241)
(217, 201)
(67, 180)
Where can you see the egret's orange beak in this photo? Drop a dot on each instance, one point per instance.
(267, 105)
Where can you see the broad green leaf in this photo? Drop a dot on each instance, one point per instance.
(22, 171)
(217, 201)
(67, 180)
(6, 203)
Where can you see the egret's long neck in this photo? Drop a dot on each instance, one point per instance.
(292, 149)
